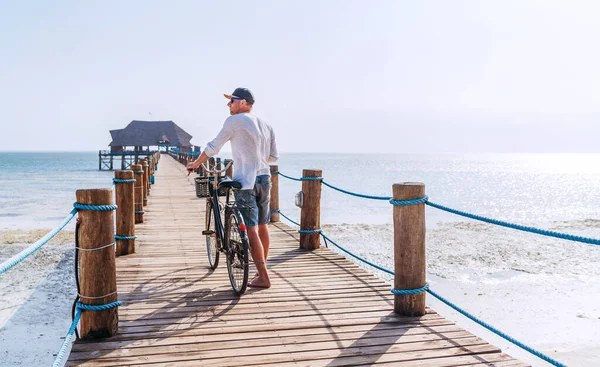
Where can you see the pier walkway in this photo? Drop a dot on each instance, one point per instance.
(322, 309)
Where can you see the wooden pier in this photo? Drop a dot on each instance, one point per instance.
(322, 309)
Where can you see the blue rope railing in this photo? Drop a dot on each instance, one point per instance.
(286, 176)
(356, 194)
(58, 362)
(356, 256)
(564, 236)
(497, 331)
(36, 246)
(544, 232)
(285, 216)
(426, 288)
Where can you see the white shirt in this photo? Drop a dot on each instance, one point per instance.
(252, 144)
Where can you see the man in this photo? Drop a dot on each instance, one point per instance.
(253, 148)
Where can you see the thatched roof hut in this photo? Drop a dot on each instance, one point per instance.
(140, 134)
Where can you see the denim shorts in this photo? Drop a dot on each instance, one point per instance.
(254, 204)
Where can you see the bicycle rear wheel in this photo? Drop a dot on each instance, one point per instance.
(237, 252)
(212, 240)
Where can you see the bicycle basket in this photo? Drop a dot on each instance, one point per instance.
(202, 187)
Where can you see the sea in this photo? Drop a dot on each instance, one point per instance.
(544, 291)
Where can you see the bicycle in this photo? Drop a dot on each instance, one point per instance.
(231, 239)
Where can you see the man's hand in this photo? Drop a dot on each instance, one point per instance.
(190, 167)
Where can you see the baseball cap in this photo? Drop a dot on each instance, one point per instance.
(243, 93)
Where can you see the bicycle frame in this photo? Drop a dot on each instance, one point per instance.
(214, 195)
(229, 233)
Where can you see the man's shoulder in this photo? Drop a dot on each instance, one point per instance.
(262, 121)
(240, 117)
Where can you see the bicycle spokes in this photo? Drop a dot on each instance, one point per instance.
(237, 255)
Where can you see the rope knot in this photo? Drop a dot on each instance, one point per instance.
(309, 231)
(120, 180)
(410, 291)
(79, 206)
(409, 202)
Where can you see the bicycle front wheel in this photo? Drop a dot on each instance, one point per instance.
(237, 252)
(212, 240)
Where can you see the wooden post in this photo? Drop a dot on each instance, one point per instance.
(274, 203)
(409, 248)
(152, 163)
(218, 166)
(211, 166)
(146, 167)
(144, 181)
(310, 217)
(97, 269)
(229, 172)
(99, 160)
(125, 212)
(138, 192)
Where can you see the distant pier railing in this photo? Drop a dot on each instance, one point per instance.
(108, 160)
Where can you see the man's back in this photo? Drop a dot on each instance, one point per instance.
(252, 144)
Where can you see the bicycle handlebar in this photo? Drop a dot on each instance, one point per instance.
(215, 170)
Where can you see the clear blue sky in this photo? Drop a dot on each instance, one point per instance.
(330, 76)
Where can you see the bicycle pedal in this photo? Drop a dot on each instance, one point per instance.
(208, 232)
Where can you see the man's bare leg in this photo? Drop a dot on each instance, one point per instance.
(258, 256)
(263, 233)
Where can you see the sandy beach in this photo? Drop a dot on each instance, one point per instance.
(35, 298)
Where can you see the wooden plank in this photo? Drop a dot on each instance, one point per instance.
(333, 332)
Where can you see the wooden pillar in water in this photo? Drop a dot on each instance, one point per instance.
(138, 200)
(409, 249)
(274, 203)
(310, 216)
(97, 269)
(124, 194)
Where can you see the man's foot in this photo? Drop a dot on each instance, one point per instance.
(260, 283)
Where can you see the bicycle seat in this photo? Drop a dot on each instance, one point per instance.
(228, 183)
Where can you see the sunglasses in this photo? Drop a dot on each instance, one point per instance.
(234, 99)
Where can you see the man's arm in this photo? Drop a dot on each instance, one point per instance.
(274, 155)
(196, 163)
(214, 146)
